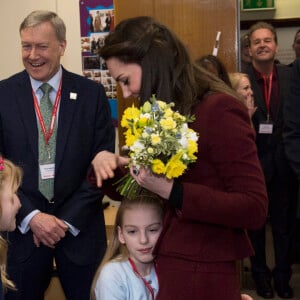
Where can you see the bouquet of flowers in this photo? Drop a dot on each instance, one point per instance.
(158, 138)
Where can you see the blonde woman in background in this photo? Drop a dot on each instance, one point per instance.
(241, 84)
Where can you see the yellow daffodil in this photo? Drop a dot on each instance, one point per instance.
(142, 122)
(130, 114)
(158, 167)
(130, 138)
(167, 123)
(175, 167)
(191, 149)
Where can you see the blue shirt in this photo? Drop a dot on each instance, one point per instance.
(117, 281)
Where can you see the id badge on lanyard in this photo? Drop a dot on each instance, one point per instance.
(267, 126)
(47, 168)
(47, 171)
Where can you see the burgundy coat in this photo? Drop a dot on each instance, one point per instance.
(224, 191)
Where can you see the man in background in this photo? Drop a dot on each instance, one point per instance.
(270, 84)
(291, 115)
(296, 46)
(52, 123)
(245, 55)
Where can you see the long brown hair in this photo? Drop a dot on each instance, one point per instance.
(167, 68)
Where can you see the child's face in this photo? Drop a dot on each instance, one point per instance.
(10, 205)
(141, 228)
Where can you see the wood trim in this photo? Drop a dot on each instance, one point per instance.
(277, 23)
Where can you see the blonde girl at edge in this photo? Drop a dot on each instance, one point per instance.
(10, 180)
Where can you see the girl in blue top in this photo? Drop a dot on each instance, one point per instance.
(127, 271)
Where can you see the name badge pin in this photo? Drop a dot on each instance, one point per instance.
(73, 96)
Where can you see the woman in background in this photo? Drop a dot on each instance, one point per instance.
(241, 83)
(213, 64)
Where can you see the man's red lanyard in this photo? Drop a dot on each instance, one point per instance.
(47, 135)
(146, 283)
(268, 91)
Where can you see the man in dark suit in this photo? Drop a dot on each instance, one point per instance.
(68, 225)
(270, 83)
(296, 46)
(291, 113)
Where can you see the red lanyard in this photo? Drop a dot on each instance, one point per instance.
(267, 90)
(146, 283)
(47, 135)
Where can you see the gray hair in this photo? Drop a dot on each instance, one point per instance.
(41, 16)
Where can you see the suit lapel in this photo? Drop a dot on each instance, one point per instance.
(66, 114)
(24, 100)
(258, 98)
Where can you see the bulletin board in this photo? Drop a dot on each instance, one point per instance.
(96, 21)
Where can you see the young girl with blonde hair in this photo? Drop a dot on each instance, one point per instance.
(10, 180)
(127, 270)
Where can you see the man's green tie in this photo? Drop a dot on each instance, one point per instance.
(46, 152)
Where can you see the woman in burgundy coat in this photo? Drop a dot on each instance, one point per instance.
(222, 194)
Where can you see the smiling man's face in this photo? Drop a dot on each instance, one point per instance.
(41, 51)
(262, 45)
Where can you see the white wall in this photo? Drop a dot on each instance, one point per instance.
(12, 14)
(14, 11)
(286, 37)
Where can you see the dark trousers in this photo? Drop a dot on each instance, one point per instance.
(282, 211)
(33, 276)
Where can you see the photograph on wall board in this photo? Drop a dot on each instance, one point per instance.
(96, 21)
